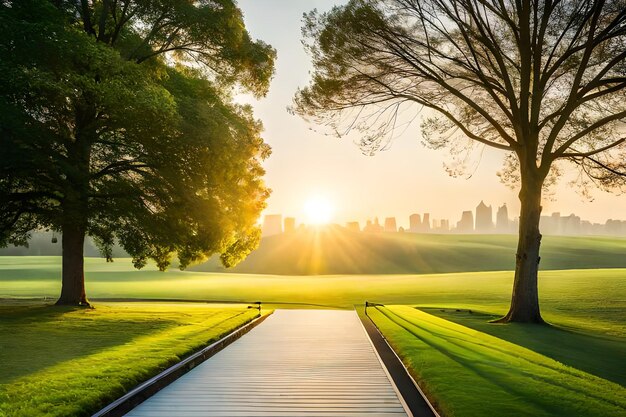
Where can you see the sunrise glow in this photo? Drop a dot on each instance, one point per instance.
(318, 210)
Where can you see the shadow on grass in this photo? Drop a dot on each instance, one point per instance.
(35, 337)
(599, 355)
(471, 373)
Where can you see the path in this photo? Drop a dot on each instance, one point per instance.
(309, 363)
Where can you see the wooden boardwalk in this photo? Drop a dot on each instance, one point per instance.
(309, 363)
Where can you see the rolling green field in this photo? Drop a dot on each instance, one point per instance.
(72, 361)
(334, 250)
(468, 373)
(594, 298)
(586, 339)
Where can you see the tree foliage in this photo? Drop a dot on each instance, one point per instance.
(116, 117)
(543, 80)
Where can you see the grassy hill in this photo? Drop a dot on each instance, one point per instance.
(334, 250)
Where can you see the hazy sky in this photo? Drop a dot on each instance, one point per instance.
(407, 178)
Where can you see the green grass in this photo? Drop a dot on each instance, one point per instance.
(593, 298)
(470, 373)
(73, 361)
(337, 251)
(578, 361)
(594, 352)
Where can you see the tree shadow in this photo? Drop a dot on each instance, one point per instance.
(599, 355)
(34, 337)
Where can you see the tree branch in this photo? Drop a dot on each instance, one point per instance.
(593, 152)
(598, 124)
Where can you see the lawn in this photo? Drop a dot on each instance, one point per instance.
(574, 367)
(595, 351)
(593, 298)
(65, 361)
(469, 373)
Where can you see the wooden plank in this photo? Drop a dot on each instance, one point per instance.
(314, 363)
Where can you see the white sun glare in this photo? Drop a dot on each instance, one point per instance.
(318, 210)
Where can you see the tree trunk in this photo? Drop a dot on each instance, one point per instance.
(73, 286)
(525, 300)
(75, 207)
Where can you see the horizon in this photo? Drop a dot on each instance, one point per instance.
(583, 227)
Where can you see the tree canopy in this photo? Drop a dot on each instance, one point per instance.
(117, 120)
(545, 78)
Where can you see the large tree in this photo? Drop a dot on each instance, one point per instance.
(116, 121)
(543, 81)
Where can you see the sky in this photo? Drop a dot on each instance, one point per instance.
(307, 163)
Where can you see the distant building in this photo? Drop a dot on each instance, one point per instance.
(484, 218)
(601, 229)
(502, 220)
(290, 224)
(573, 225)
(556, 223)
(466, 225)
(426, 223)
(272, 225)
(586, 228)
(515, 224)
(353, 226)
(440, 226)
(615, 227)
(550, 225)
(374, 227)
(545, 225)
(415, 223)
(570, 225)
(390, 224)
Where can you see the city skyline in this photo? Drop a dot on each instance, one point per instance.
(482, 219)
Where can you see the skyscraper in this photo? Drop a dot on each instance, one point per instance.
(426, 223)
(502, 220)
(484, 218)
(466, 225)
(272, 225)
(415, 223)
(290, 224)
(390, 224)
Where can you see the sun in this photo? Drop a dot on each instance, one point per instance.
(318, 210)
